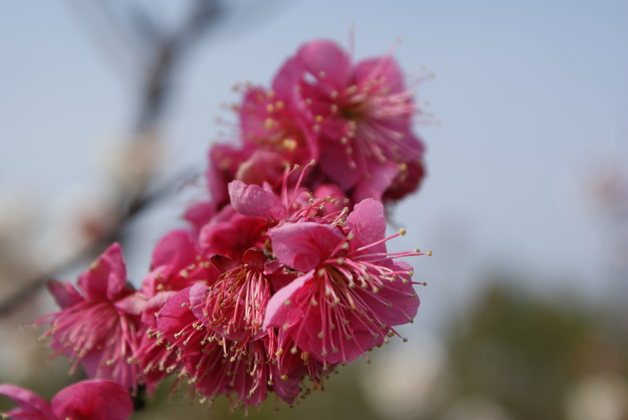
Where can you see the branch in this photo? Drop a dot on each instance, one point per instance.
(141, 203)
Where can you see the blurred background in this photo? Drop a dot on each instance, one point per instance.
(108, 107)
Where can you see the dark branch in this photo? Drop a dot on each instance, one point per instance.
(135, 208)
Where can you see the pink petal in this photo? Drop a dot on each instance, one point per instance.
(277, 274)
(334, 163)
(200, 213)
(368, 224)
(263, 166)
(255, 259)
(253, 113)
(133, 304)
(400, 295)
(252, 200)
(94, 400)
(106, 277)
(153, 305)
(198, 297)
(382, 177)
(286, 390)
(176, 248)
(287, 78)
(349, 350)
(64, 293)
(278, 313)
(408, 183)
(31, 406)
(224, 163)
(377, 68)
(327, 57)
(331, 190)
(232, 238)
(223, 264)
(302, 246)
(175, 315)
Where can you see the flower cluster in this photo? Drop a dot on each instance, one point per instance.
(284, 273)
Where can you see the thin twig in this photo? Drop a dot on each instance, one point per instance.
(167, 52)
(137, 206)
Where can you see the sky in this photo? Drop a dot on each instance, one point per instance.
(530, 96)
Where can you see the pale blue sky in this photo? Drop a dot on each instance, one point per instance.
(529, 94)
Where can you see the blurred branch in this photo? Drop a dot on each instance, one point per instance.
(136, 207)
(157, 63)
(169, 52)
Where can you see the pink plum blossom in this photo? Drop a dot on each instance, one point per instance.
(352, 292)
(99, 327)
(362, 115)
(87, 400)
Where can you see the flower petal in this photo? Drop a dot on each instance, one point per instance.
(252, 200)
(31, 406)
(385, 68)
(106, 277)
(153, 305)
(175, 313)
(64, 293)
(94, 400)
(302, 246)
(278, 313)
(326, 61)
(176, 248)
(198, 297)
(287, 78)
(382, 177)
(368, 224)
(133, 304)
